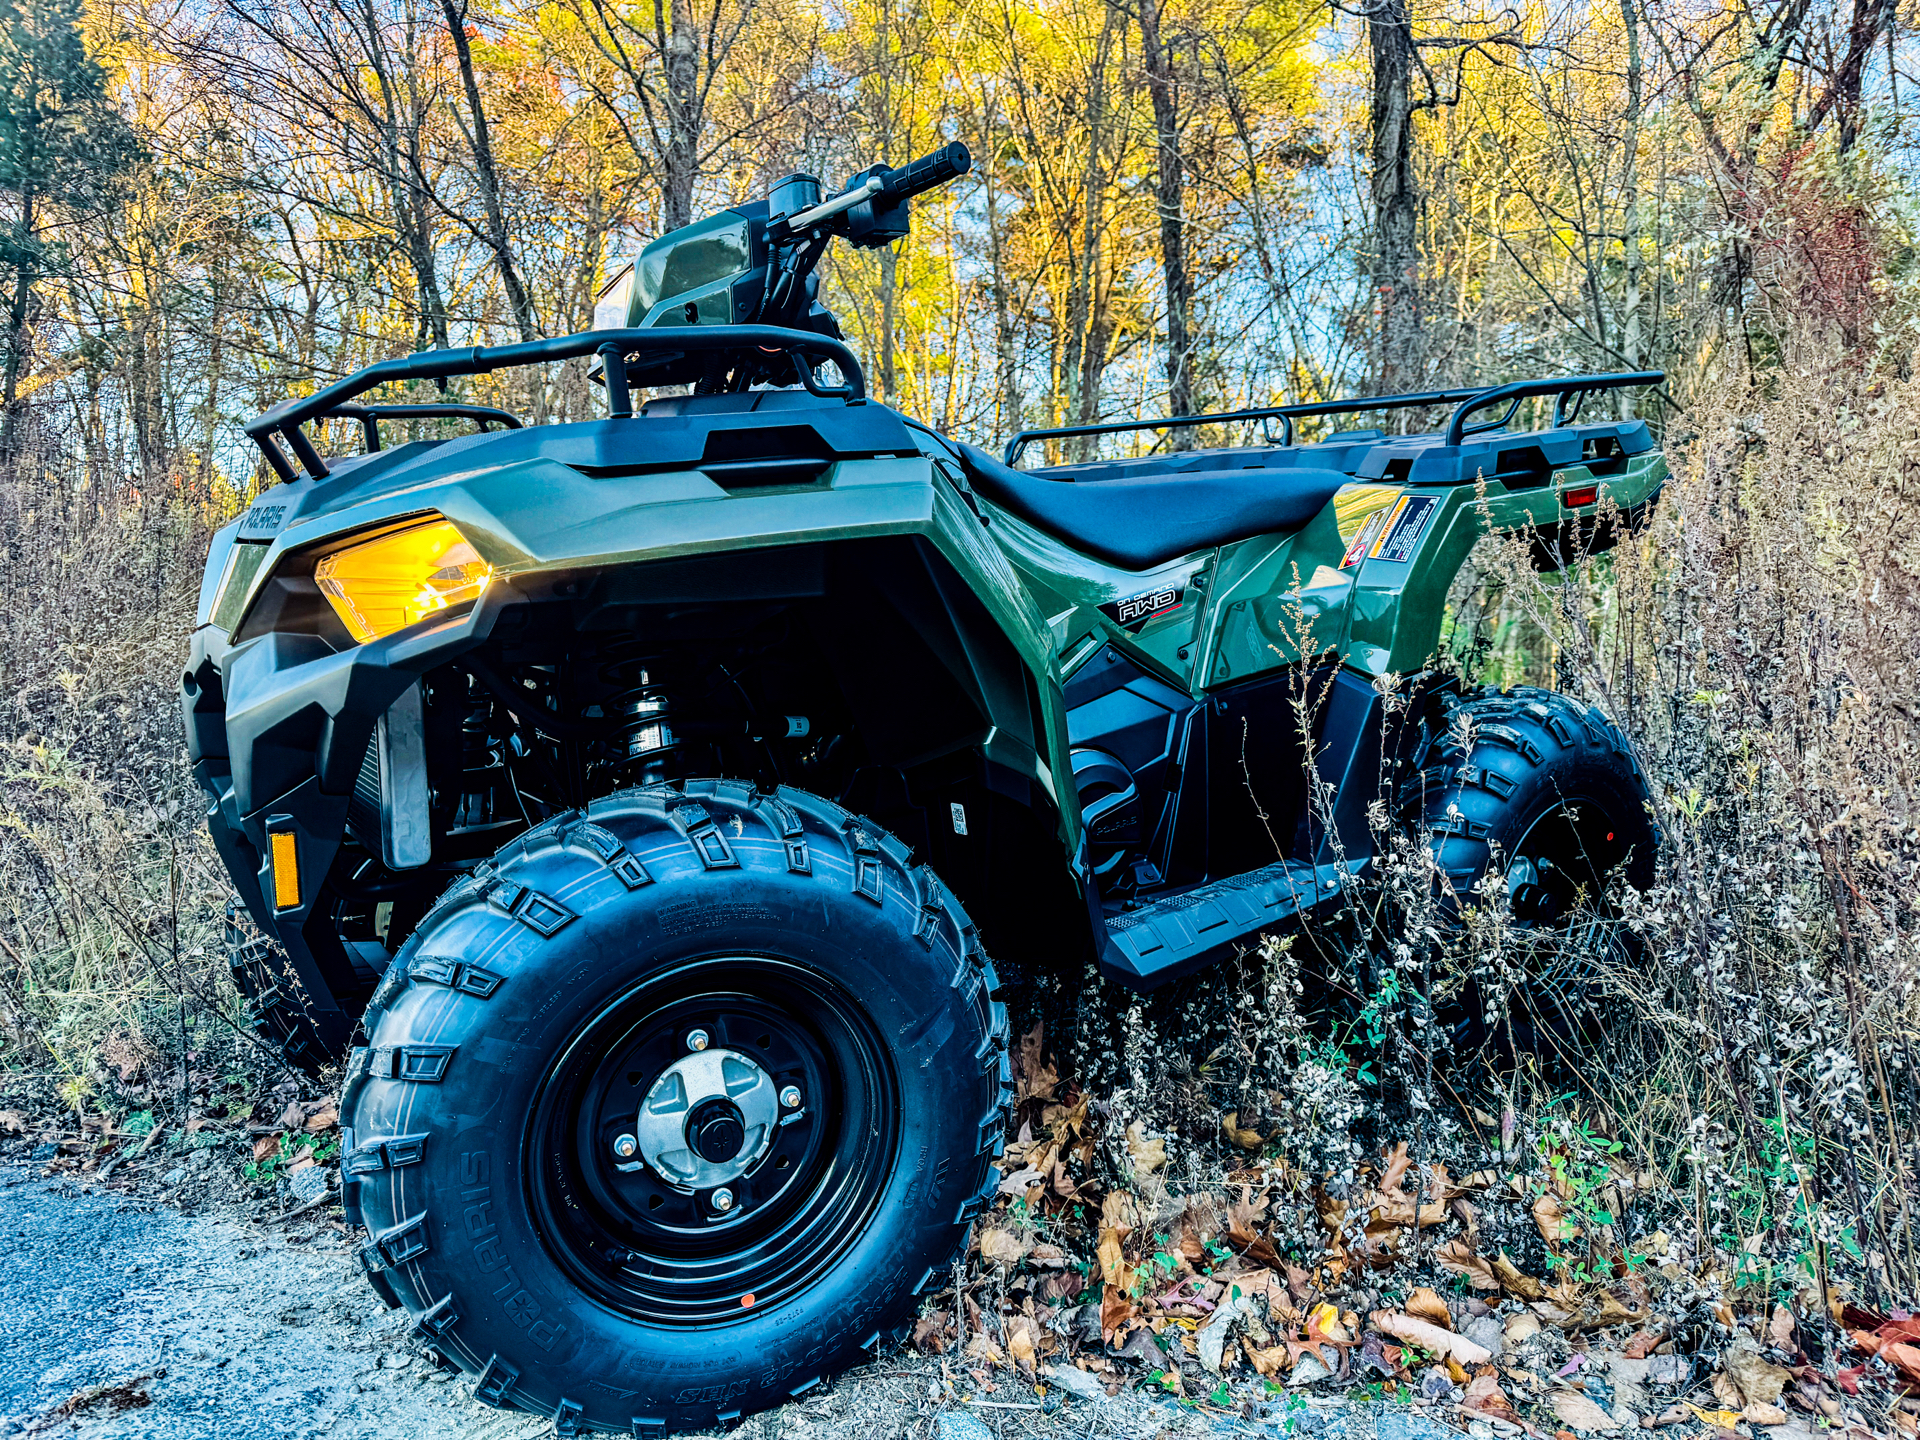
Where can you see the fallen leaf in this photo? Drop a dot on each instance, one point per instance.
(1425, 1304)
(1247, 1140)
(265, 1147)
(1032, 1077)
(1906, 1358)
(1781, 1328)
(1759, 1413)
(1759, 1380)
(1001, 1246)
(1893, 1342)
(1404, 1327)
(1641, 1344)
(980, 1347)
(1395, 1164)
(1726, 1420)
(1148, 1153)
(1266, 1360)
(1114, 1268)
(1552, 1222)
(14, 1123)
(1486, 1398)
(1020, 1342)
(1300, 1285)
(1515, 1281)
(327, 1115)
(1325, 1319)
(1016, 1184)
(1519, 1327)
(1117, 1308)
(1457, 1258)
(930, 1332)
(1142, 1346)
(1581, 1411)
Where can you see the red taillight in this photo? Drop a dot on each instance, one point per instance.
(1580, 495)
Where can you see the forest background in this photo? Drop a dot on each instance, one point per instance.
(1175, 206)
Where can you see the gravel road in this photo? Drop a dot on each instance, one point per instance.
(123, 1318)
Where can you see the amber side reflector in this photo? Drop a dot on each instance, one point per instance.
(286, 870)
(1580, 495)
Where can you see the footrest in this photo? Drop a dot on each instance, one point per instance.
(1178, 935)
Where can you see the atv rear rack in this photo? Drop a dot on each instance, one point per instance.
(283, 422)
(370, 417)
(1569, 392)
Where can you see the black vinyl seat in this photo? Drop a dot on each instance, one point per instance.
(1139, 524)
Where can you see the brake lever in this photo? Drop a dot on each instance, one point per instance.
(818, 215)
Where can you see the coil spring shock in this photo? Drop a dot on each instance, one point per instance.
(482, 763)
(643, 742)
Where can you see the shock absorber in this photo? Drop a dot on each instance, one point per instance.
(482, 766)
(643, 741)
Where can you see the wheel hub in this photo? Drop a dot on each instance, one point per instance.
(707, 1119)
(716, 1131)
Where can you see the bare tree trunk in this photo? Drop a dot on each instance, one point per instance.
(1397, 201)
(1843, 95)
(1634, 341)
(888, 263)
(487, 174)
(16, 338)
(1082, 359)
(1008, 397)
(1167, 195)
(684, 116)
(406, 178)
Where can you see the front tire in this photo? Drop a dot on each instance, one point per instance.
(677, 1107)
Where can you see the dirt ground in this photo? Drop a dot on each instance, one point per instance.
(121, 1316)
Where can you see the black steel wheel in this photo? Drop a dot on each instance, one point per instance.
(677, 1108)
(696, 1150)
(1547, 791)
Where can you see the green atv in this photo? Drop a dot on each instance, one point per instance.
(635, 803)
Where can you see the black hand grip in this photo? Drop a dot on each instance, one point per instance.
(936, 168)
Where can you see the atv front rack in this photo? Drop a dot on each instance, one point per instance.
(1569, 392)
(614, 347)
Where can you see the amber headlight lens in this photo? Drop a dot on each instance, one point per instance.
(380, 586)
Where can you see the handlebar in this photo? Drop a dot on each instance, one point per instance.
(886, 187)
(935, 168)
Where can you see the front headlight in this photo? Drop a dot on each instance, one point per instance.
(383, 585)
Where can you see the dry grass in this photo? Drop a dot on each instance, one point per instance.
(113, 987)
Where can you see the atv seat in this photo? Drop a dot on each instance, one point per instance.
(1139, 524)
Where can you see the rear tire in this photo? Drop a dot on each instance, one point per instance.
(516, 1125)
(1550, 792)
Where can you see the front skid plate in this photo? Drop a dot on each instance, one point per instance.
(1181, 934)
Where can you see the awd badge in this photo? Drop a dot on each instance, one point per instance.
(1135, 611)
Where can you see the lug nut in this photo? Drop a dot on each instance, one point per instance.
(625, 1146)
(697, 1040)
(723, 1199)
(790, 1096)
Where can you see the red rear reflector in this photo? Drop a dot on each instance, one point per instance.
(1580, 495)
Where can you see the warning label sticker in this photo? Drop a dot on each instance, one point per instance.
(1398, 537)
(1369, 532)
